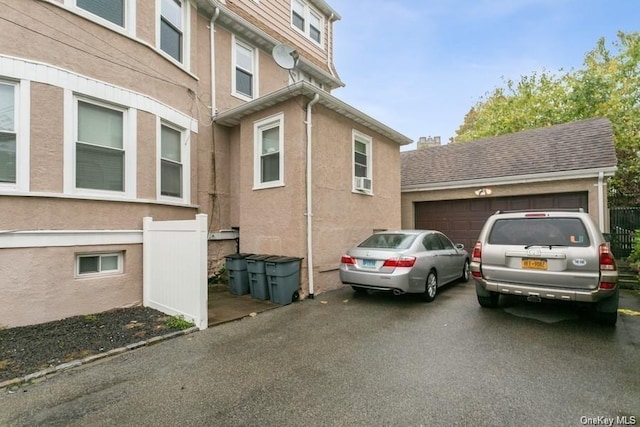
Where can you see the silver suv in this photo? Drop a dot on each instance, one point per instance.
(551, 255)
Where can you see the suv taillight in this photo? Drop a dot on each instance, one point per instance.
(476, 256)
(607, 262)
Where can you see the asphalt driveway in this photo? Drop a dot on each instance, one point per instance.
(373, 360)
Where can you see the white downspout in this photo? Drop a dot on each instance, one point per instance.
(601, 201)
(309, 198)
(212, 39)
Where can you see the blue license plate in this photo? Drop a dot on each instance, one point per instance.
(369, 263)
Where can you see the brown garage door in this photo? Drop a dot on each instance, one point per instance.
(462, 220)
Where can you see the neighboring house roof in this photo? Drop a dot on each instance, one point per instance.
(577, 149)
(233, 116)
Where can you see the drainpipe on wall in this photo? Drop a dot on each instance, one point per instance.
(601, 201)
(309, 198)
(212, 39)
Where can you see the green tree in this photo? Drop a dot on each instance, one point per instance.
(607, 86)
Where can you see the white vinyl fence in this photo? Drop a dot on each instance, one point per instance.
(175, 268)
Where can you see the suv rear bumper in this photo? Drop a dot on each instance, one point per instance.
(560, 294)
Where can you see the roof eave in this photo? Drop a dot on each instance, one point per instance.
(234, 116)
(511, 180)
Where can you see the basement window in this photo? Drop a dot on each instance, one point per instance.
(98, 264)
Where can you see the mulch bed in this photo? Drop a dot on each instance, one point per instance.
(29, 349)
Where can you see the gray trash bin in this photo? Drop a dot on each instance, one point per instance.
(283, 278)
(258, 285)
(238, 275)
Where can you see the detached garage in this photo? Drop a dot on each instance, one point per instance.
(455, 187)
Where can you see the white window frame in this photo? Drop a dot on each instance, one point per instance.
(254, 72)
(185, 161)
(258, 127)
(100, 272)
(128, 145)
(129, 26)
(368, 142)
(22, 117)
(186, 31)
(309, 11)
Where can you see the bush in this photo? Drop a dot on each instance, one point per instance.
(634, 257)
(178, 322)
(220, 275)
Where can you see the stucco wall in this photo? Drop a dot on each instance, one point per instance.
(39, 284)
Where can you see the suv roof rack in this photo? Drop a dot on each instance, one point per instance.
(541, 210)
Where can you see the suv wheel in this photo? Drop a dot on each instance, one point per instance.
(607, 310)
(608, 319)
(490, 301)
(431, 288)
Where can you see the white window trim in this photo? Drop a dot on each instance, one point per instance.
(308, 9)
(186, 34)
(269, 122)
(128, 145)
(119, 270)
(254, 57)
(185, 160)
(368, 141)
(129, 17)
(22, 93)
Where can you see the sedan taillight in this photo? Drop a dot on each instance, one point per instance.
(346, 259)
(405, 261)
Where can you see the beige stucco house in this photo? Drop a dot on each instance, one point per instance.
(168, 109)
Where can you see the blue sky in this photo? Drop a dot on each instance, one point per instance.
(418, 66)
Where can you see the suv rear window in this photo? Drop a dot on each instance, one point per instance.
(388, 241)
(539, 232)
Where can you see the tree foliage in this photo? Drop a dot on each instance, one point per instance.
(607, 86)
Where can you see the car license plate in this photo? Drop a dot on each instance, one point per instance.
(369, 263)
(534, 264)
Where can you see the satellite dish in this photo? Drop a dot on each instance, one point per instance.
(285, 56)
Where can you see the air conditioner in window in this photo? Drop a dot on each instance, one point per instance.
(363, 184)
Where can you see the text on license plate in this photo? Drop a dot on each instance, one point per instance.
(369, 263)
(535, 264)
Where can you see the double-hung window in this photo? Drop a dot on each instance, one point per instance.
(362, 172)
(307, 20)
(110, 10)
(100, 147)
(171, 162)
(269, 155)
(172, 18)
(8, 134)
(244, 70)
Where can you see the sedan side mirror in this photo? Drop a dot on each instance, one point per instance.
(459, 246)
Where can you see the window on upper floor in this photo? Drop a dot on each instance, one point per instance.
(174, 156)
(100, 147)
(8, 133)
(111, 10)
(172, 27)
(307, 20)
(362, 172)
(269, 155)
(244, 73)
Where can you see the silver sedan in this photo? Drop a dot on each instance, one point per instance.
(405, 261)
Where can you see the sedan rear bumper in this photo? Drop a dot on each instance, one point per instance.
(399, 280)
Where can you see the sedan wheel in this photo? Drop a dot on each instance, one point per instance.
(431, 287)
(465, 271)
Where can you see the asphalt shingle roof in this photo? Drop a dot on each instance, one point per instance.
(582, 145)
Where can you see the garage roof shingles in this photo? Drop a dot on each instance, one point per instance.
(581, 145)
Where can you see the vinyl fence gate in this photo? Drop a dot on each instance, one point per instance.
(175, 268)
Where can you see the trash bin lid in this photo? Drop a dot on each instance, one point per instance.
(282, 259)
(258, 257)
(237, 256)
